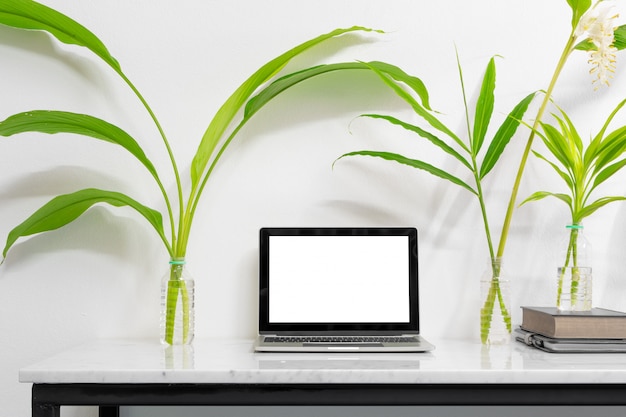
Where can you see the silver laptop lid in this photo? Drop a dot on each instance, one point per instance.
(338, 281)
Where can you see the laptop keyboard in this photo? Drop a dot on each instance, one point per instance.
(341, 339)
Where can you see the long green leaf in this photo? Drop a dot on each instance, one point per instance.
(66, 208)
(504, 134)
(484, 107)
(412, 163)
(283, 83)
(557, 144)
(599, 203)
(52, 122)
(28, 14)
(564, 175)
(287, 81)
(231, 107)
(427, 135)
(539, 195)
(612, 147)
(418, 108)
(607, 173)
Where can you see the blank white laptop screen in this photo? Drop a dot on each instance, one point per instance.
(339, 279)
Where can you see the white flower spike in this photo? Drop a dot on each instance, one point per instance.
(598, 23)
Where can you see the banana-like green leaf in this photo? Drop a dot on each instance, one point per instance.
(427, 135)
(231, 107)
(399, 75)
(283, 83)
(599, 203)
(539, 195)
(412, 163)
(51, 122)
(28, 14)
(484, 107)
(66, 208)
(579, 7)
(418, 108)
(504, 134)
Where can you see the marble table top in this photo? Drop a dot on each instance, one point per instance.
(234, 362)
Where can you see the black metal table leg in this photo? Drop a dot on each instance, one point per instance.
(109, 411)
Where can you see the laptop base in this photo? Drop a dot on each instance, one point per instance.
(418, 345)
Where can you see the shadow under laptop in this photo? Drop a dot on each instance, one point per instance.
(342, 361)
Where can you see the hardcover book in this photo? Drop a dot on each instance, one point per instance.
(598, 323)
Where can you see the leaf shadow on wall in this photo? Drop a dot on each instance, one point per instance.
(102, 229)
(45, 45)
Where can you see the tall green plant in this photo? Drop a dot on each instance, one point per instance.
(251, 96)
(583, 169)
(468, 153)
(592, 30)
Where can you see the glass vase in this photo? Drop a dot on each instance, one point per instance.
(574, 278)
(177, 304)
(495, 314)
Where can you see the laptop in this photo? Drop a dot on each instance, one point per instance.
(339, 290)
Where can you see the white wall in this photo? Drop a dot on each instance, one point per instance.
(99, 277)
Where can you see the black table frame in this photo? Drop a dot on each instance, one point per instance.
(47, 399)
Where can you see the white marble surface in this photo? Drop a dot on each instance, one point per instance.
(233, 361)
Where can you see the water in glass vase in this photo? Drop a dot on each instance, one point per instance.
(495, 312)
(574, 277)
(177, 305)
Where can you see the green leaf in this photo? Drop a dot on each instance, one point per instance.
(427, 135)
(540, 195)
(287, 81)
(564, 176)
(66, 208)
(612, 147)
(484, 107)
(557, 144)
(607, 173)
(504, 135)
(231, 107)
(52, 122)
(610, 119)
(599, 203)
(418, 108)
(579, 7)
(399, 75)
(283, 83)
(412, 163)
(28, 14)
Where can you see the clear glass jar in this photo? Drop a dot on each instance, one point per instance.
(574, 275)
(495, 313)
(177, 304)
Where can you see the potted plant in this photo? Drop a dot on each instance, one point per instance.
(478, 156)
(583, 169)
(174, 231)
(593, 30)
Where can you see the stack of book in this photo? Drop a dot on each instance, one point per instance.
(551, 330)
